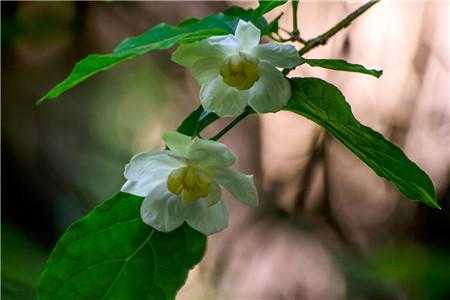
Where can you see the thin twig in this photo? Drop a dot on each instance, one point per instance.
(233, 123)
(291, 38)
(294, 35)
(323, 38)
(284, 30)
(295, 31)
(310, 44)
(279, 39)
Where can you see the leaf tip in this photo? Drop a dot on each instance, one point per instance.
(435, 205)
(39, 101)
(378, 73)
(432, 202)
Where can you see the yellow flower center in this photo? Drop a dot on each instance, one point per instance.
(189, 182)
(240, 71)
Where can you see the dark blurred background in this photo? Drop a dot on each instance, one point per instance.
(327, 227)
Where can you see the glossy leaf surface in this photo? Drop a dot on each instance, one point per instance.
(324, 104)
(112, 254)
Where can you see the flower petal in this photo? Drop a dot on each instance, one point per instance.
(146, 163)
(218, 97)
(208, 219)
(206, 69)
(206, 57)
(280, 55)
(214, 195)
(221, 46)
(271, 92)
(217, 47)
(208, 153)
(145, 170)
(162, 210)
(248, 35)
(240, 185)
(177, 142)
(141, 187)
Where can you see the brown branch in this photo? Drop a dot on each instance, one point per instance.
(323, 38)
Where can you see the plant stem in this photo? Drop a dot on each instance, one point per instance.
(295, 31)
(294, 35)
(323, 38)
(233, 123)
(309, 45)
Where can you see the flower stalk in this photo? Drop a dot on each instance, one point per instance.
(233, 123)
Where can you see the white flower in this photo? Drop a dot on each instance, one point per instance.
(235, 71)
(183, 184)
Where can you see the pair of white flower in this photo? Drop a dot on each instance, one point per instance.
(183, 183)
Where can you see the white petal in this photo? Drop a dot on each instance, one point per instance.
(240, 185)
(217, 47)
(142, 187)
(206, 69)
(187, 54)
(143, 164)
(218, 97)
(208, 220)
(208, 153)
(214, 195)
(148, 169)
(206, 57)
(177, 142)
(225, 45)
(271, 92)
(248, 35)
(162, 210)
(280, 55)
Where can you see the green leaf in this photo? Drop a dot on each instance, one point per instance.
(162, 36)
(84, 69)
(249, 16)
(220, 21)
(256, 15)
(324, 104)
(266, 6)
(112, 254)
(342, 65)
(197, 121)
(159, 37)
(273, 26)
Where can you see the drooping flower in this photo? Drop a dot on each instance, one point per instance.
(235, 71)
(183, 184)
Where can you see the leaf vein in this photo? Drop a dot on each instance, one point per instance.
(126, 260)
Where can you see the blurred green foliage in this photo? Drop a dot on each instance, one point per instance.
(22, 262)
(423, 273)
(397, 271)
